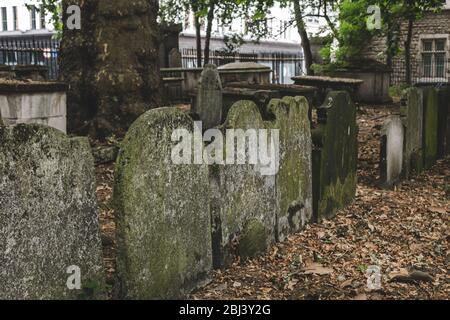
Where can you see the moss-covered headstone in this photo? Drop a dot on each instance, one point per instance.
(208, 102)
(430, 127)
(49, 230)
(243, 200)
(412, 113)
(294, 179)
(162, 209)
(335, 154)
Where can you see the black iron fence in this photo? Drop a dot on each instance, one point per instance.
(284, 65)
(45, 52)
(39, 52)
(432, 71)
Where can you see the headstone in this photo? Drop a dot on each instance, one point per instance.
(391, 162)
(294, 179)
(430, 127)
(412, 114)
(335, 154)
(243, 202)
(162, 209)
(208, 102)
(49, 230)
(443, 121)
(175, 59)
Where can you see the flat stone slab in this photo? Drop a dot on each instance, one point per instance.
(312, 80)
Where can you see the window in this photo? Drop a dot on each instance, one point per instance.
(15, 19)
(33, 17)
(42, 15)
(434, 57)
(4, 19)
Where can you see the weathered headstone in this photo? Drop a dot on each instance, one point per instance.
(243, 202)
(49, 228)
(335, 154)
(208, 102)
(412, 114)
(294, 179)
(443, 121)
(430, 127)
(391, 159)
(175, 58)
(162, 209)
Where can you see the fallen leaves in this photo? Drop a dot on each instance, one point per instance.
(317, 269)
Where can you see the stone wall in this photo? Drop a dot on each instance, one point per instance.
(48, 214)
(33, 102)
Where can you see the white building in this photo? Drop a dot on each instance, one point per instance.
(282, 32)
(23, 18)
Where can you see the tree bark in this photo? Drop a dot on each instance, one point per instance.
(198, 33)
(408, 75)
(210, 19)
(306, 44)
(111, 65)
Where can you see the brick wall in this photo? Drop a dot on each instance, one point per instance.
(430, 24)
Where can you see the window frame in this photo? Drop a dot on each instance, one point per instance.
(434, 53)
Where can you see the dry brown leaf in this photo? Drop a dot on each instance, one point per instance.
(317, 268)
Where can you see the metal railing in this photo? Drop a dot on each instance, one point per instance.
(284, 65)
(422, 72)
(39, 52)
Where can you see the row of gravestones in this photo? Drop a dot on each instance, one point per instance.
(416, 139)
(175, 223)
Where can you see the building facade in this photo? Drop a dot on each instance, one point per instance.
(430, 49)
(24, 18)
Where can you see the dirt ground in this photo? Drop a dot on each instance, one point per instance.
(404, 232)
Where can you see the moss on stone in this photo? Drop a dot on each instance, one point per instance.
(335, 155)
(162, 212)
(294, 179)
(253, 241)
(48, 210)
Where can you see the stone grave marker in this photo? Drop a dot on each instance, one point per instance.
(391, 158)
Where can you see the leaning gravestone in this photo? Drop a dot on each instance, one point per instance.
(162, 210)
(335, 154)
(391, 160)
(243, 200)
(209, 99)
(48, 212)
(412, 114)
(294, 179)
(430, 127)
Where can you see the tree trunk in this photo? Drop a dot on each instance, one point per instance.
(198, 33)
(210, 19)
(408, 51)
(111, 65)
(306, 45)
